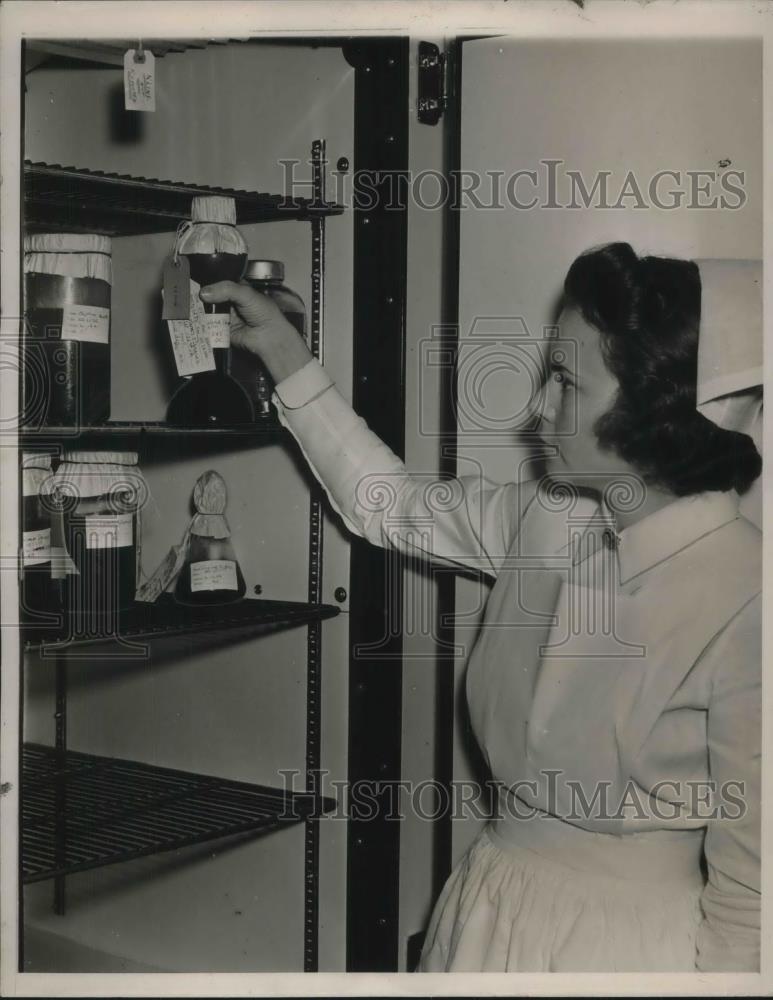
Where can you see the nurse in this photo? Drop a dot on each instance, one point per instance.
(614, 686)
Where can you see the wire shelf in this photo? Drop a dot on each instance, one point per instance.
(70, 199)
(110, 51)
(81, 811)
(267, 428)
(168, 620)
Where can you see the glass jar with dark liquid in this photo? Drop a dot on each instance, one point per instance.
(37, 588)
(100, 494)
(68, 279)
(215, 251)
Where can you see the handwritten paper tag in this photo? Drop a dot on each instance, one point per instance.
(197, 306)
(192, 353)
(90, 323)
(62, 565)
(139, 80)
(190, 339)
(165, 573)
(177, 288)
(218, 329)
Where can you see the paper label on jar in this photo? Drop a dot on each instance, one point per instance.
(109, 531)
(214, 574)
(36, 547)
(91, 323)
(218, 326)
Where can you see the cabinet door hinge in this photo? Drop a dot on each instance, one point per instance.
(432, 94)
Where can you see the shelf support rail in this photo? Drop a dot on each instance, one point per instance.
(60, 811)
(314, 642)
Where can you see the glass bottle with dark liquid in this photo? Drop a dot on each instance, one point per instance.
(211, 573)
(215, 251)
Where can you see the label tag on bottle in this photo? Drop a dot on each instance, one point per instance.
(214, 574)
(139, 80)
(89, 323)
(36, 547)
(177, 288)
(109, 531)
(218, 329)
(190, 338)
(62, 565)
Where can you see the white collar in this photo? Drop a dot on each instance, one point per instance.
(668, 530)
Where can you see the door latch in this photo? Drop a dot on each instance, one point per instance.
(431, 102)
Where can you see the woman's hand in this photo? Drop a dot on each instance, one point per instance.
(261, 328)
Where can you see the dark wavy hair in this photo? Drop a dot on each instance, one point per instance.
(647, 310)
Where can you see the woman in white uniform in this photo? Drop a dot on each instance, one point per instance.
(614, 686)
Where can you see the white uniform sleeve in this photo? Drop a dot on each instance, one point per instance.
(729, 937)
(468, 521)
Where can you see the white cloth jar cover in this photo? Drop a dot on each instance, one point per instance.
(72, 255)
(211, 229)
(730, 371)
(99, 473)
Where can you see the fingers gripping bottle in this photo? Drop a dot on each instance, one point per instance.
(267, 277)
(216, 251)
(211, 573)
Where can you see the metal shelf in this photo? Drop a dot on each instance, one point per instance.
(166, 620)
(80, 811)
(268, 428)
(108, 51)
(70, 199)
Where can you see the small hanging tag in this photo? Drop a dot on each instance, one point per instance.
(165, 574)
(139, 80)
(190, 339)
(177, 288)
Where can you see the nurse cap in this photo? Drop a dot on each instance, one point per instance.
(730, 373)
